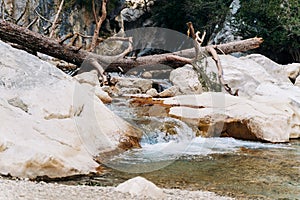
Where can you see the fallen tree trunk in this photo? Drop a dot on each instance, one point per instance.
(38, 43)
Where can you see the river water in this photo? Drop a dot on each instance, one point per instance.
(173, 157)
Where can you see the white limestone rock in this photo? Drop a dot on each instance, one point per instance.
(216, 114)
(102, 95)
(170, 92)
(90, 77)
(292, 70)
(141, 187)
(152, 92)
(51, 125)
(186, 80)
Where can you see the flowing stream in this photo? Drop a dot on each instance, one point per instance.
(173, 157)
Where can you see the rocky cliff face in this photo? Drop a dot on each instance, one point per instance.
(75, 18)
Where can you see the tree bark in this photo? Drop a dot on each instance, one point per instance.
(38, 43)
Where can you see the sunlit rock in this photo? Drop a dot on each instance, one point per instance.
(152, 92)
(90, 77)
(170, 92)
(51, 125)
(218, 114)
(102, 95)
(292, 70)
(141, 187)
(186, 80)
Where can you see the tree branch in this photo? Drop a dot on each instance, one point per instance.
(54, 24)
(211, 50)
(98, 24)
(38, 43)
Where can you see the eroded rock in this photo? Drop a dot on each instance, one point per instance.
(218, 114)
(52, 125)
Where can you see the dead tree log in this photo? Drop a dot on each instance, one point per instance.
(38, 43)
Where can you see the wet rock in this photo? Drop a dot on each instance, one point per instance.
(129, 91)
(170, 92)
(186, 80)
(134, 84)
(141, 187)
(64, 124)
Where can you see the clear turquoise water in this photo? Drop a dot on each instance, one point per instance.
(241, 169)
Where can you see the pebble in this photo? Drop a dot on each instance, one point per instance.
(29, 190)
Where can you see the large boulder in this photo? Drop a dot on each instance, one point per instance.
(52, 125)
(257, 77)
(247, 73)
(218, 114)
(186, 80)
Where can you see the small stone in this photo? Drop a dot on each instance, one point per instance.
(126, 91)
(152, 92)
(170, 92)
(103, 96)
(90, 77)
(147, 75)
(141, 187)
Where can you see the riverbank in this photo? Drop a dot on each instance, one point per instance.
(20, 189)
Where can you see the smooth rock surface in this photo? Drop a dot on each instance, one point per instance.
(51, 125)
(218, 114)
(170, 92)
(102, 95)
(247, 73)
(141, 187)
(90, 77)
(152, 92)
(292, 70)
(186, 80)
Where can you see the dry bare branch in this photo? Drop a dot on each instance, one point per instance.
(98, 23)
(54, 24)
(211, 50)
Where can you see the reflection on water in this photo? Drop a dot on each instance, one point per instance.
(252, 172)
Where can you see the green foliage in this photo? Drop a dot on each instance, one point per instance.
(205, 14)
(277, 21)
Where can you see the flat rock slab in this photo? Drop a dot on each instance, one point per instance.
(218, 114)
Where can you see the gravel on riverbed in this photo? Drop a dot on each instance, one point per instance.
(20, 189)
